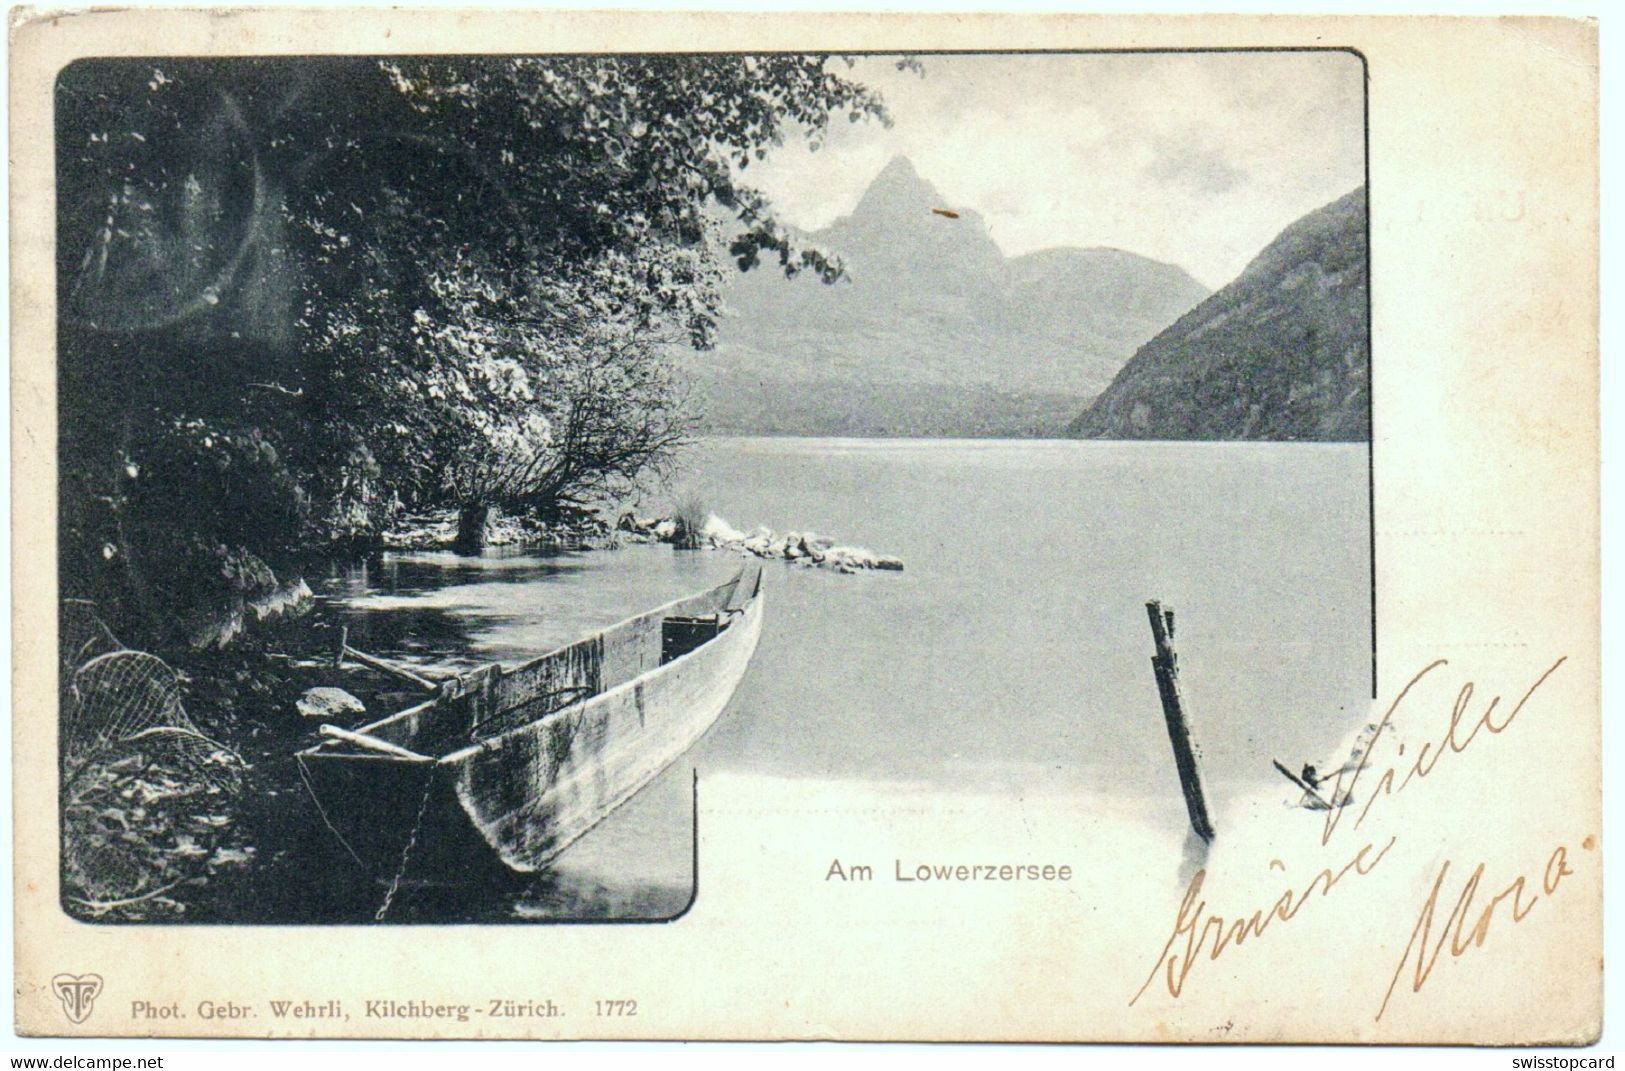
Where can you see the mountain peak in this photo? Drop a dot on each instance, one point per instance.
(897, 190)
(899, 167)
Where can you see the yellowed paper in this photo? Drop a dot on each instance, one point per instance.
(1456, 897)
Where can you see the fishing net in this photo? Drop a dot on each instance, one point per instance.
(145, 792)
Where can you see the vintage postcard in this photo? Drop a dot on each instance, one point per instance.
(860, 527)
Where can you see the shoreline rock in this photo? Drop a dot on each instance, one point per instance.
(804, 548)
(329, 704)
(438, 531)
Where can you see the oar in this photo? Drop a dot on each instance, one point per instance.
(345, 650)
(371, 743)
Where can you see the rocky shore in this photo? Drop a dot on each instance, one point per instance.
(438, 531)
(803, 548)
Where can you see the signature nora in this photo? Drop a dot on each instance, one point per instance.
(1199, 935)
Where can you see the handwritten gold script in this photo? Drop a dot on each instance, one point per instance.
(1212, 934)
(1454, 934)
(1196, 930)
(1428, 756)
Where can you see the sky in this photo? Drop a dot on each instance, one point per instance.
(1197, 159)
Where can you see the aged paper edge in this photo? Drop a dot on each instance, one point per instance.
(42, 42)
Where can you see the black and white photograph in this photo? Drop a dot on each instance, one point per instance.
(463, 458)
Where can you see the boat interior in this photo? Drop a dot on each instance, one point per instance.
(490, 701)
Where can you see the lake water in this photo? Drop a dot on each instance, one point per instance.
(1011, 657)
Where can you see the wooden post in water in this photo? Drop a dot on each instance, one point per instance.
(1166, 666)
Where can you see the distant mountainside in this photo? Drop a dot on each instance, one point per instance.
(933, 331)
(1281, 353)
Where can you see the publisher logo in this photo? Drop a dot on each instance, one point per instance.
(78, 993)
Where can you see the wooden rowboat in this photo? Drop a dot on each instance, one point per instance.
(513, 766)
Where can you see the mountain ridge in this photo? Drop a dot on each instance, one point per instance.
(931, 306)
(1280, 353)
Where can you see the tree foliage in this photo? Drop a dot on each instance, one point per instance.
(299, 294)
